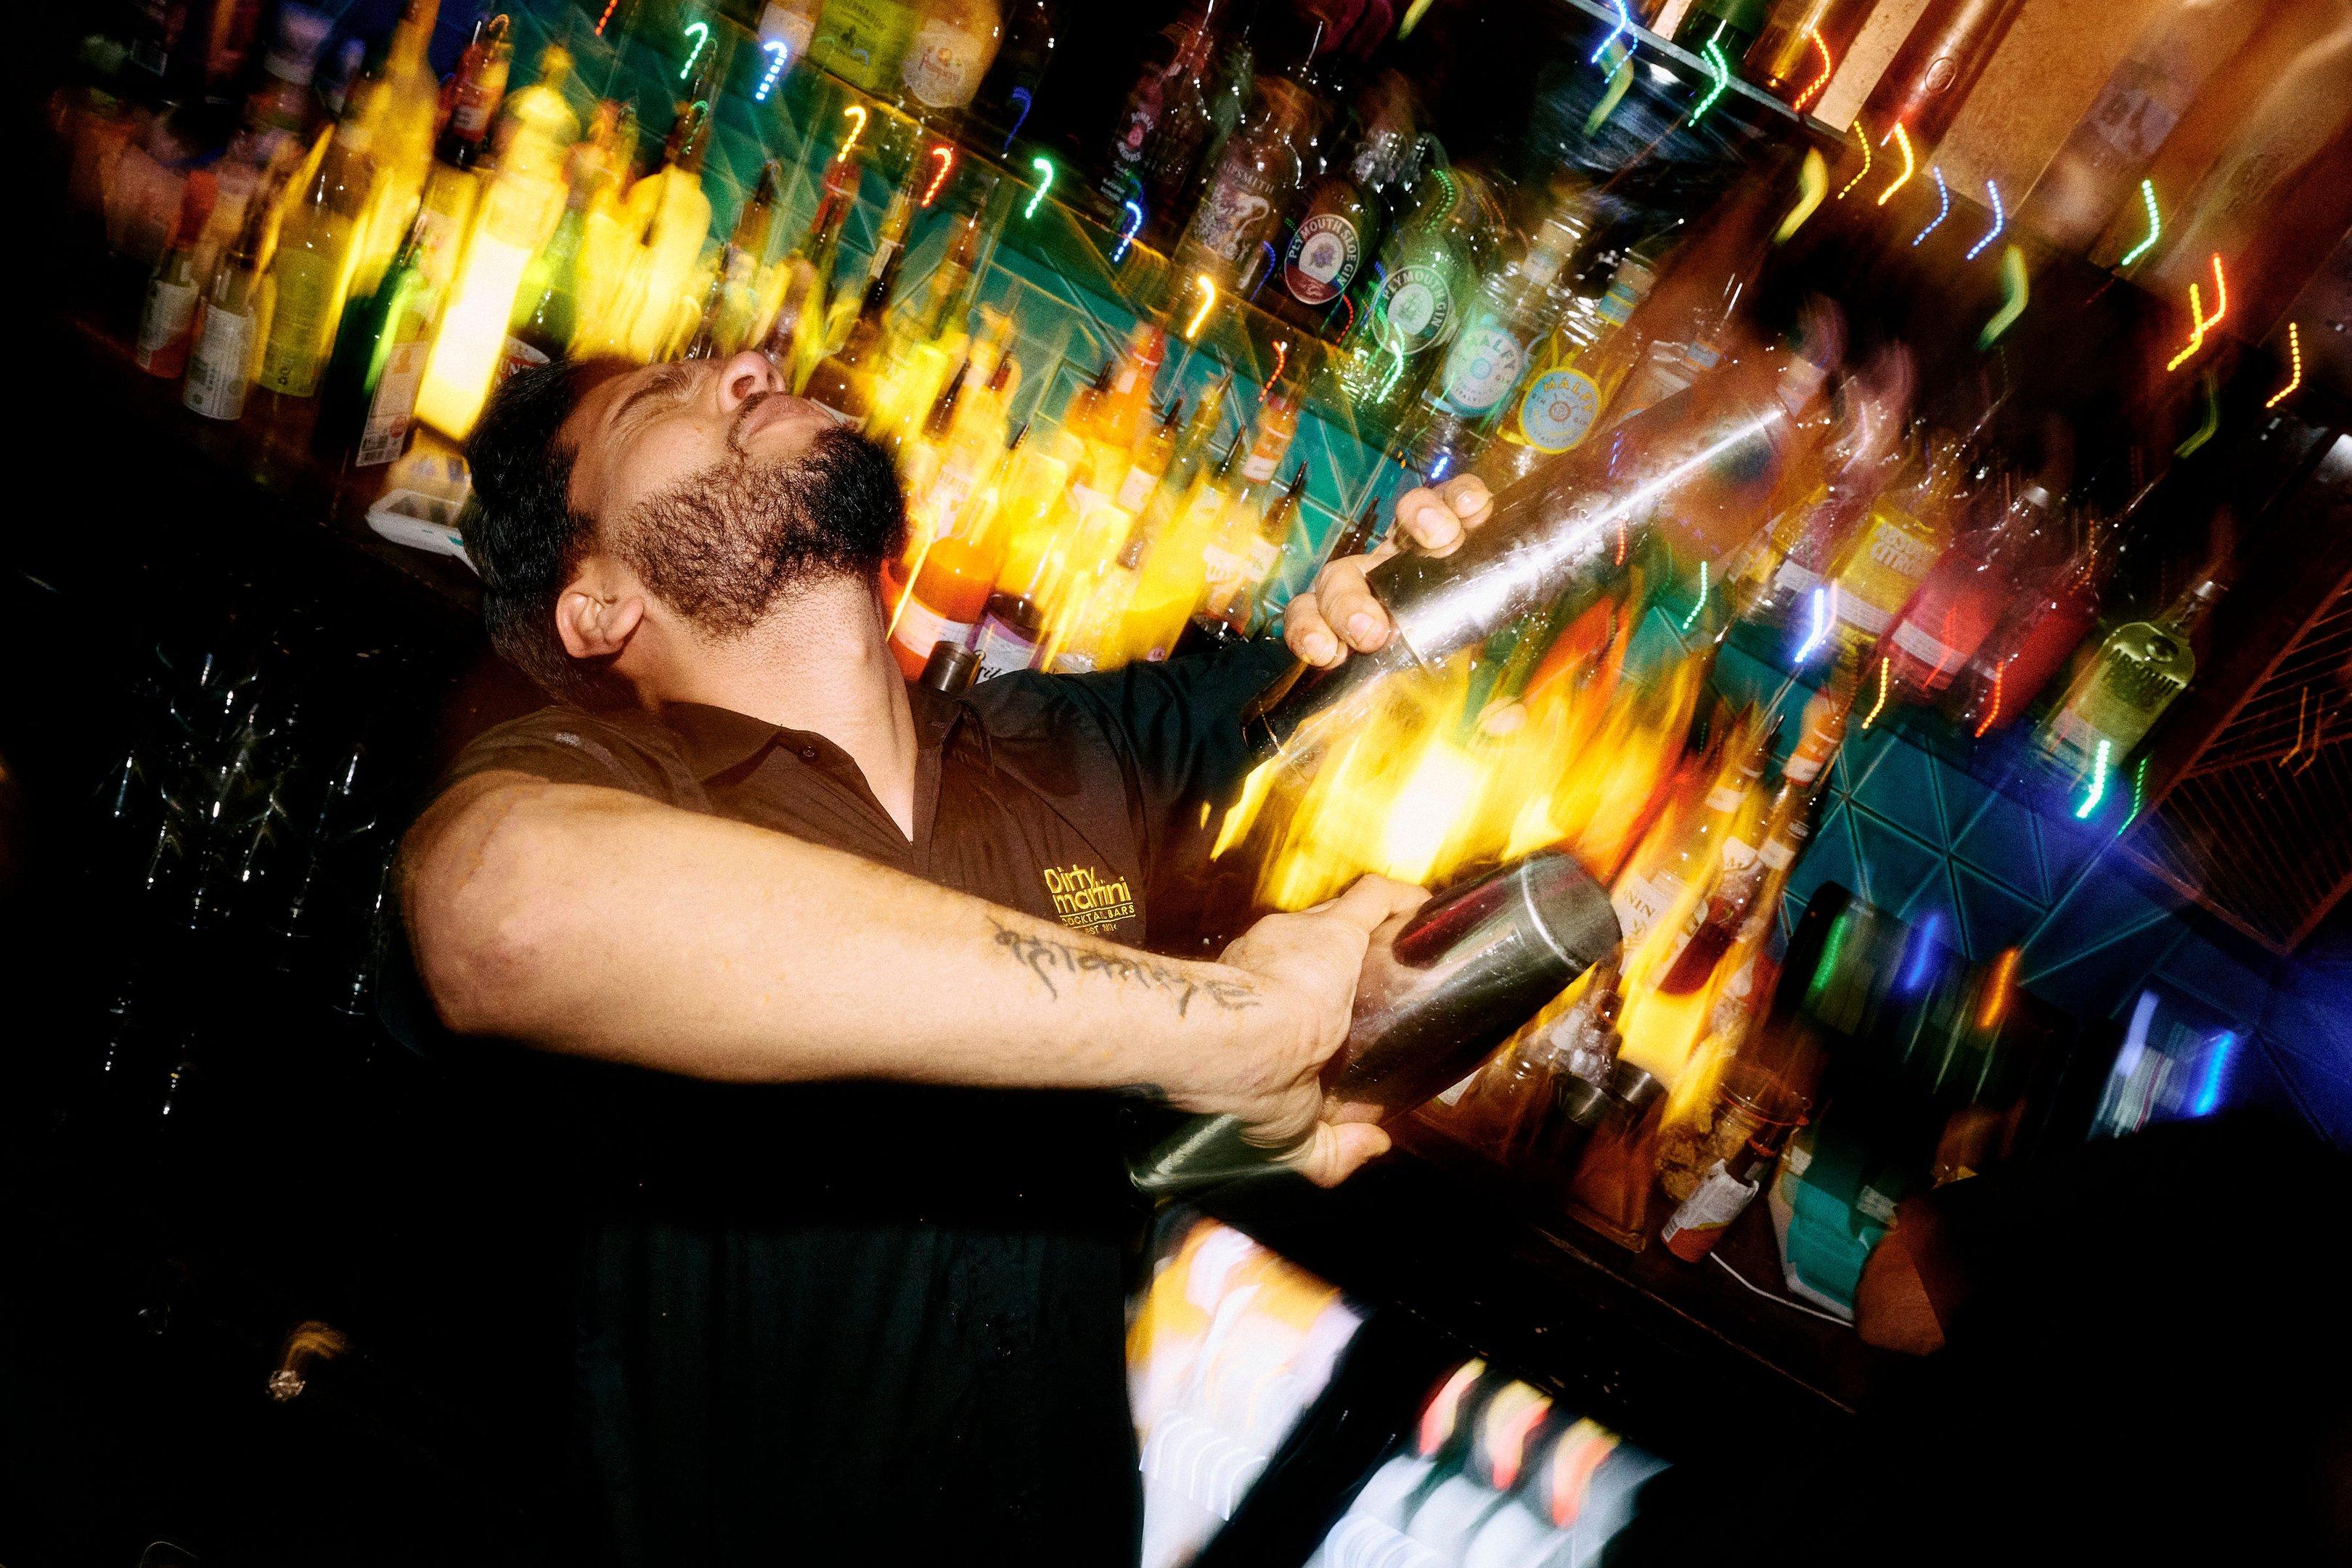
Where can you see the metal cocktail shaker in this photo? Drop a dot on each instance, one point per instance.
(1699, 466)
(1435, 997)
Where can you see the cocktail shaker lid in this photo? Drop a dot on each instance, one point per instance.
(1636, 1089)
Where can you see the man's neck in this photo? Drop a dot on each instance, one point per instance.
(818, 662)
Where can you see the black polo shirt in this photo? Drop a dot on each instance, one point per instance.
(873, 1320)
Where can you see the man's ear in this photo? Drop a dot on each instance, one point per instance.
(600, 609)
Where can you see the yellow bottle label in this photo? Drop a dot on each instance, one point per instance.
(301, 322)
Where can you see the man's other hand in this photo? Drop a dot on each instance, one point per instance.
(1306, 964)
(1338, 613)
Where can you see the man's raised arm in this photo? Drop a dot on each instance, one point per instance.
(594, 923)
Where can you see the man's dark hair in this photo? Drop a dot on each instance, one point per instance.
(525, 536)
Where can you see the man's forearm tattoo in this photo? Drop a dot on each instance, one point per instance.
(1044, 957)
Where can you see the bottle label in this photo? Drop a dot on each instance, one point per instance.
(1483, 367)
(944, 502)
(1708, 1211)
(1412, 310)
(1912, 640)
(1324, 255)
(1230, 213)
(393, 404)
(1259, 466)
(299, 325)
(519, 355)
(943, 68)
(1724, 797)
(1264, 555)
(1137, 487)
(171, 307)
(1559, 410)
(789, 28)
(1616, 307)
(1796, 578)
(1862, 619)
(921, 628)
(1003, 648)
(1642, 901)
(1737, 854)
(221, 367)
(1222, 565)
(1901, 551)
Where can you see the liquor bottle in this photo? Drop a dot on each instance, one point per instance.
(1423, 276)
(1262, 566)
(453, 187)
(743, 264)
(1514, 307)
(1165, 125)
(796, 337)
(1721, 1196)
(1938, 66)
(1958, 604)
(949, 56)
(1232, 554)
(1899, 545)
(709, 323)
(675, 211)
(1176, 567)
(1687, 342)
(841, 383)
(1801, 550)
(791, 23)
(1032, 519)
(1733, 26)
(1339, 223)
(536, 127)
(2044, 626)
(2120, 696)
(1114, 417)
(378, 365)
(311, 263)
(1255, 176)
(228, 344)
(2091, 176)
(1802, 40)
(949, 588)
(1568, 388)
(1146, 466)
(1008, 94)
(167, 322)
(407, 107)
(864, 42)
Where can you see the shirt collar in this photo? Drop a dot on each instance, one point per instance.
(711, 741)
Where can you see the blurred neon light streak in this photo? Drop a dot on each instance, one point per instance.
(1812, 189)
(2016, 292)
(1999, 222)
(1044, 167)
(2217, 1064)
(2098, 783)
(1126, 236)
(1902, 135)
(1880, 706)
(1208, 299)
(1942, 206)
(777, 53)
(701, 32)
(1620, 81)
(1624, 22)
(2294, 352)
(857, 113)
(1863, 173)
(2155, 227)
(2199, 323)
(947, 157)
(1721, 67)
(1829, 69)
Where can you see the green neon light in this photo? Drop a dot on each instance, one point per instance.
(2155, 227)
(2015, 292)
(1721, 67)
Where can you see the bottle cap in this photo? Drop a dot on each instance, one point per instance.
(950, 668)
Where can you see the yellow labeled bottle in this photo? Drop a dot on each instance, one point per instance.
(312, 265)
(1900, 543)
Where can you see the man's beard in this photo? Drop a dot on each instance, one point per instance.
(724, 547)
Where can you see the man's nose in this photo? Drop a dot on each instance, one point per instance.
(745, 377)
